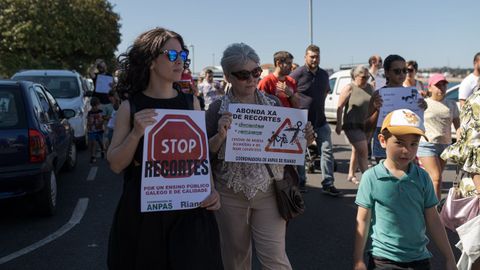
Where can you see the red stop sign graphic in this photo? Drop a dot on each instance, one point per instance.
(176, 137)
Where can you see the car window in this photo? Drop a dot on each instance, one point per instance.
(342, 81)
(37, 107)
(54, 103)
(332, 84)
(12, 114)
(46, 107)
(59, 86)
(453, 95)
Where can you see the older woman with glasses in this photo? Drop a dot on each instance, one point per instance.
(411, 79)
(249, 209)
(354, 99)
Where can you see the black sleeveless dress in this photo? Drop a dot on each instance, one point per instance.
(173, 240)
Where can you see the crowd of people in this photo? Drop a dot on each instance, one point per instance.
(397, 198)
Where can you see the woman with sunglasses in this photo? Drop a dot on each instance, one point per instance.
(395, 73)
(411, 80)
(354, 99)
(249, 209)
(182, 239)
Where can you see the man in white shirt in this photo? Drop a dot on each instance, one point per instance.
(470, 82)
(210, 89)
(377, 76)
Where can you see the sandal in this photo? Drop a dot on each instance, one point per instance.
(353, 179)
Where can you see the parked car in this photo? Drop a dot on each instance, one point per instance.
(338, 80)
(36, 141)
(452, 93)
(70, 90)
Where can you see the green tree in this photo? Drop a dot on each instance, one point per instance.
(61, 34)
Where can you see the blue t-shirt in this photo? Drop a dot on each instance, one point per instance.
(397, 229)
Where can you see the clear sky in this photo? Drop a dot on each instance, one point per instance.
(436, 33)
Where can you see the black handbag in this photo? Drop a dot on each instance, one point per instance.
(289, 198)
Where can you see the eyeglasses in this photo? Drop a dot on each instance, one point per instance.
(173, 55)
(399, 71)
(410, 70)
(244, 75)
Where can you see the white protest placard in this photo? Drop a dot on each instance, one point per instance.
(395, 98)
(266, 134)
(380, 80)
(103, 83)
(175, 168)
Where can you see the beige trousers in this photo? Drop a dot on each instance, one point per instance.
(241, 220)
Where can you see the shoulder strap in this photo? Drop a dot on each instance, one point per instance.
(270, 171)
(133, 110)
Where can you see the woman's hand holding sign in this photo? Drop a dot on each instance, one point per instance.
(377, 100)
(224, 124)
(143, 119)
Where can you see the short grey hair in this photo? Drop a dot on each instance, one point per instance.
(237, 54)
(360, 69)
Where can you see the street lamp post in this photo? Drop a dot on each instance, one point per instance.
(310, 21)
(193, 58)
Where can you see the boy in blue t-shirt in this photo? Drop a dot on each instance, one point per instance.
(397, 203)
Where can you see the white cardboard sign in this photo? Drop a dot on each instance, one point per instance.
(176, 166)
(266, 134)
(395, 98)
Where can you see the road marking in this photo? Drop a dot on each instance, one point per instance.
(349, 195)
(92, 173)
(76, 217)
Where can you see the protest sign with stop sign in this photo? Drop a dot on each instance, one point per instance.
(179, 143)
(175, 167)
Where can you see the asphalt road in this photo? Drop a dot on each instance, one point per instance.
(76, 238)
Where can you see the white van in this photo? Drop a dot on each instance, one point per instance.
(70, 90)
(337, 80)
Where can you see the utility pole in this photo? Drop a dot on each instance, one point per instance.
(311, 20)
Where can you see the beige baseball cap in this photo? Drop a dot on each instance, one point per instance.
(403, 122)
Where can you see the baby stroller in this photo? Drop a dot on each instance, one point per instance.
(312, 159)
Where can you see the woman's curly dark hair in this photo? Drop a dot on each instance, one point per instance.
(134, 64)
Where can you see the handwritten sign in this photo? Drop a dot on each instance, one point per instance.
(175, 167)
(103, 83)
(380, 80)
(266, 134)
(399, 98)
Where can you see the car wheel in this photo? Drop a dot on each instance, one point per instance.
(47, 197)
(71, 160)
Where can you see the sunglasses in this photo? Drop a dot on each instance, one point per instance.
(410, 70)
(244, 75)
(399, 71)
(173, 55)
